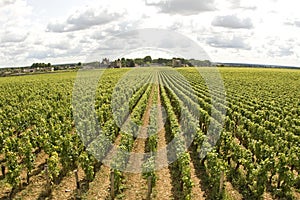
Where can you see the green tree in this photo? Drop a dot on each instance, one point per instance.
(148, 59)
(139, 61)
(130, 63)
(123, 62)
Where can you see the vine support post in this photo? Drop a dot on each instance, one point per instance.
(27, 178)
(3, 170)
(222, 177)
(48, 186)
(11, 193)
(20, 182)
(77, 179)
(78, 192)
(278, 182)
(149, 180)
(112, 184)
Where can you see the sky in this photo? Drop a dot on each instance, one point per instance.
(69, 31)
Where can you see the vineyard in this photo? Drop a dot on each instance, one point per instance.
(185, 139)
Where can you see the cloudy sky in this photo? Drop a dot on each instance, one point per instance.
(60, 31)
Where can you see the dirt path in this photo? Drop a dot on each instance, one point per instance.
(36, 189)
(37, 183)
(136, 185)
(99, 188)
(197, 192)
(163, 188)
(232, 192)
(66, 189)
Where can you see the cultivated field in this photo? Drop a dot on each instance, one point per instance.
(47, 151)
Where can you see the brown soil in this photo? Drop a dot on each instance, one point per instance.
(297, 195)
(99, 188)
(163, 188)
(67, 187)
(136, 185)
(197, 193)
(37, 180)
(267, 196)
(232, 192)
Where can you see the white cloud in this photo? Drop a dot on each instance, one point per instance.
(6, 2)
(13, 36)
(61, 45)
(84, 20)
(243, 4)
(232, 21)
(276, 47)
(234, 42)
(257, 31)
(183, 7)
(281, 52)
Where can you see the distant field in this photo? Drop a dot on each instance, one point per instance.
(257, 155)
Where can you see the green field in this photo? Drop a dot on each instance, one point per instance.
(256, 156)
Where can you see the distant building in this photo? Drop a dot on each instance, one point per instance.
(105, 61)
(115, 64)
(29, 70)
(176, 63)
(118, 64)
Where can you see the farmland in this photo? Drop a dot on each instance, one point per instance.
(49, 136)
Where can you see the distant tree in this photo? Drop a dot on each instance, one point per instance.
(79, 64)
(40, 65)
(148, 59)
(130, 63)
(123, 62)
(161, 61)
(139, 61)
